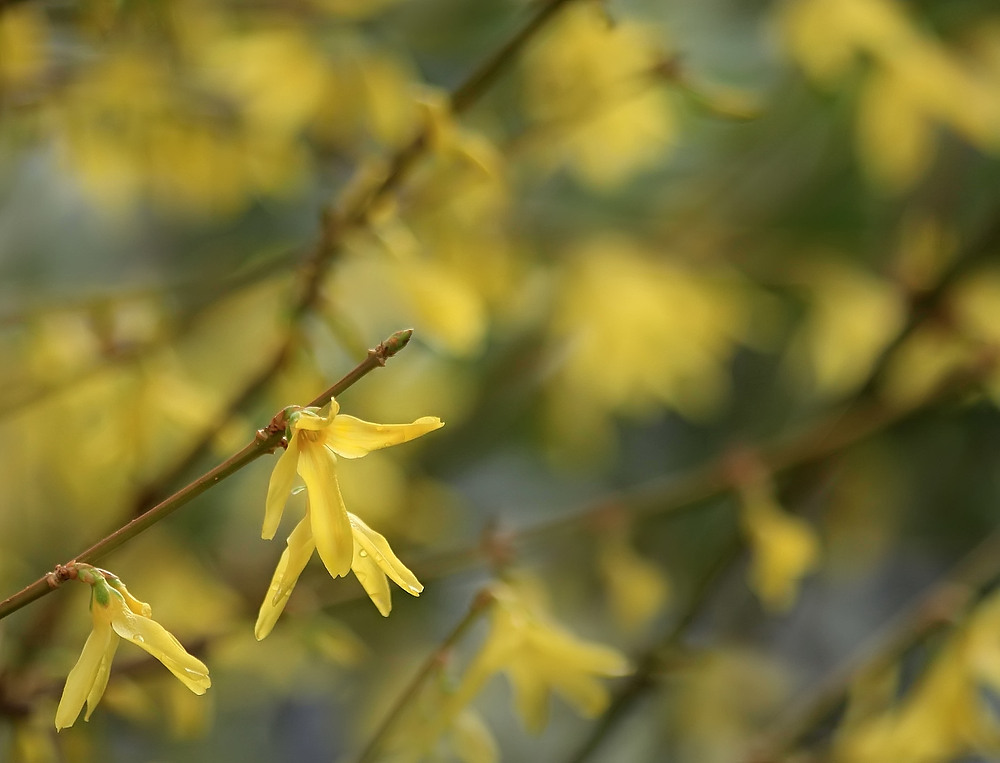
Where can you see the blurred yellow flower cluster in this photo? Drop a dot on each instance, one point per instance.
(203, 113)
(634, 330)
(835, 348)
(914, 85)
(784, 547)
(539, 657)
(946, 715)
(23, 39)
(590, 84)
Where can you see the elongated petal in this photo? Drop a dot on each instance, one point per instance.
(103, 673)
(294, 559)
(279, 487)
(531, 694)
(584, 692)
(373, 580)
(157, 640)
(373, 545)
(82, 677)
(330, 527)
(352, 438)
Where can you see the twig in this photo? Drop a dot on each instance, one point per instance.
(266, 440)
(482, 602)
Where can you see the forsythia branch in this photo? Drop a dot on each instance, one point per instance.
(266, 440)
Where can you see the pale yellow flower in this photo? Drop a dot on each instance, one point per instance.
(784, 547)
(344, 541)
(316, 439)
(117, 614)
(539, 657)
(373, 562)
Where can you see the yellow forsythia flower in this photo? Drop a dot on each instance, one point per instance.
(539, 657)
(343, 541)
(118, 614)
(372, 562)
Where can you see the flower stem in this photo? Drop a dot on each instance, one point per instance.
(266, 440)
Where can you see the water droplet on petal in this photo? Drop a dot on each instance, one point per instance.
(137, 638)
(362, 553)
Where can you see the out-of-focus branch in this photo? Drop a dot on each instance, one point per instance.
(939, 605)
(830, 436)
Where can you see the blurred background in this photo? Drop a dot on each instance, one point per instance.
(706, 293)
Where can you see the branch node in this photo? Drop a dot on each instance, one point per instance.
(61, 574)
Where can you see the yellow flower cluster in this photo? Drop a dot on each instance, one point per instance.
(117, 615)
(344, 541)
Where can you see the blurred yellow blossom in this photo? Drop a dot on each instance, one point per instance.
(23, 41)
(539, 657)
(117, 614)
(784, 548)
(852, 316)
(420, 735)
(590, 82)
(970, 328)
(721, 700)
(634, 331)
(131, 129)
(275, 76)
(946, 714)
(637, 589)
(914, 85)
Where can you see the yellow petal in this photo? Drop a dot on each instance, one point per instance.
(103, 674)
(330, 527)
(352, 438)
(531, 694)
(582, 691)
(373, 580)
(785, 549)
(472, 740)
(371, 544)
(139, 607)
(84, 674)
(293, 560)
(157, 640)
(279, 487)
